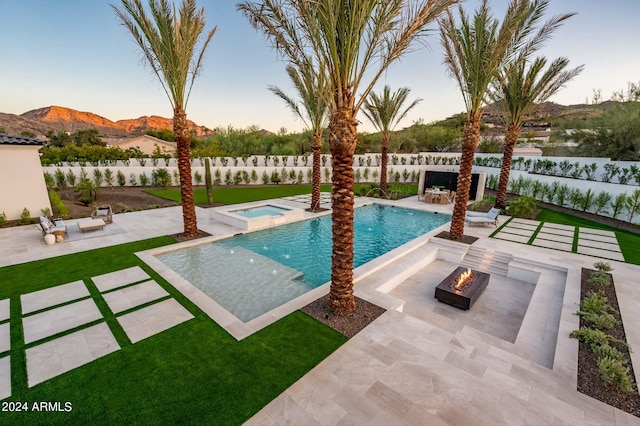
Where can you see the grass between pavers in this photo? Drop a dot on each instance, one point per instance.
(629, 242)
(245, 194)
(194, 373)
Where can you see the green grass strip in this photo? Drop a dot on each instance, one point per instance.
(194, 373)
(245, 194)
(629, 241)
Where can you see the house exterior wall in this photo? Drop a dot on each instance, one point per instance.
(148, 144)
(21, 181)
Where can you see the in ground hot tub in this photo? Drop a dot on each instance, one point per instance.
(258, 216)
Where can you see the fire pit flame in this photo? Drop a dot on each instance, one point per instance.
(463, 278)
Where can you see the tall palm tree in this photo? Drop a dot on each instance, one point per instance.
(168, 42)
(311, 86)
(521, 85)
(355, 42)
(475, 51)
(385, 112)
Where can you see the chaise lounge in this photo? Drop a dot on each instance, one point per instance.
(480, 218)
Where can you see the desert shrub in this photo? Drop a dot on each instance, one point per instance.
(604, 351)
(3, 219)
(71, 178)
(228, 177)
(161, 177)
(49, 181)
(58, 206)
(603, 266)
(144, 179)
(590, 336)
(60, 178)
(265, 178)
(121, 178)
(132, 179)
(599, 279)
(275, 176)
(614, 372)
(522, 206)
(87, 191)
(108, 177)
(254, 176)
(197, 177)
(98, 177)
(603, 321)
(25, 216)
(123, 208)
(596, 303)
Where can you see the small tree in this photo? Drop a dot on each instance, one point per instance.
(632, 203)
(121, 178)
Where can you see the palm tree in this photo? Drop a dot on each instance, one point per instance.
(475, 51)
(519, 88)
(355, 42)
(168, 42)
(385, 112)
(311, 86)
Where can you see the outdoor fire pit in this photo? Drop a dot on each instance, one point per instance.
(462, 287)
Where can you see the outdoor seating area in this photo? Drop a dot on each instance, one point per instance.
(104, 213)
(478, 218)
(53, 230)
(439, 196)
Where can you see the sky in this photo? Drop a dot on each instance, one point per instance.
(75, 54)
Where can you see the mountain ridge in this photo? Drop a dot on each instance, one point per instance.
(58, 118)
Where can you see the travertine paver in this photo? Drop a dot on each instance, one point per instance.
(597, 232)
(559, 226)
(554, 237)
(601, 253)
(558, 231)
(53, 296)
(5, 377)
(4, 309)
(120, 278)
(552, 244)
(599, 245)
(68, 352)
(153, 319)
(524, 232)
(519, 225)
(5, 337)
(512, 237)
(525, 221)
(135, 295)
(596, 237)
(54, 321)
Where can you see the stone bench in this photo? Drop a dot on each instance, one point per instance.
(91, 224)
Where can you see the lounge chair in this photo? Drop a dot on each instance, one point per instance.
(50, 226)
(480, 218)
(103, 212)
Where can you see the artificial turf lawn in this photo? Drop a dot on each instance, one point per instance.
(245, 194)
(194, 373)
(629, 242)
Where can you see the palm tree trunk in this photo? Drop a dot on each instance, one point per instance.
(316, 142)
(470, 139)
(383, 163)
(181, 131)
(343, 137)
(507, 158)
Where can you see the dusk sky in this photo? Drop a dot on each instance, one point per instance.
(74, 53)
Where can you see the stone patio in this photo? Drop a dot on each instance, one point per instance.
(419, 363)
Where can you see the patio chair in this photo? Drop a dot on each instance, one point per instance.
(103, 212)
(479, 218)
(50, 226)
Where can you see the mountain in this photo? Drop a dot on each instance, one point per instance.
(56, 118)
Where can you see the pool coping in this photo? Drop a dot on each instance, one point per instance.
(225, 215)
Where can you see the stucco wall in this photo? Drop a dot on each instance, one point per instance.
(21, 181)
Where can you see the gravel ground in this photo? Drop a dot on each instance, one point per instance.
(364, 315)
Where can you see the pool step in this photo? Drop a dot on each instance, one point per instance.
(487, 260)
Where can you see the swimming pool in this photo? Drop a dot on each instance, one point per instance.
(267, 210)
(252, 273)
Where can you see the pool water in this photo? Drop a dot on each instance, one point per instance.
(251, 274)
(253, 212)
